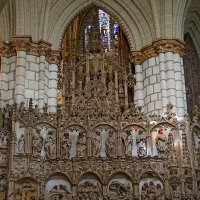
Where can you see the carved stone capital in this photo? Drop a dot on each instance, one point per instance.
(158, 46)
(169, 45)
(54, 57)
(22, 43)
(25, 43)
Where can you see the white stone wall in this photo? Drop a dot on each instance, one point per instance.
(7, 80)
(160, 81)
(26, 76)
(151, 77)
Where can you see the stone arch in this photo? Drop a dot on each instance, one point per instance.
(71, 125)
(65, 176)
(137, 35)
(119, 172)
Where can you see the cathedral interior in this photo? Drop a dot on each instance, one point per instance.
(99, 100)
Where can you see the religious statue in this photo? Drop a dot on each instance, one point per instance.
(81, 145)
(127, 140)
(4, 139)
(96, 145)
(110, 145)
(36, 143)
(65, 146)
(141, 141)
(161, 143)
(50, 146)
(21, 144)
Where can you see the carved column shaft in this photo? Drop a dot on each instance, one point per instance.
(20, 77)
(163, 82)
(73, 87)
(139, 96)
(41, 82)
(116, 87)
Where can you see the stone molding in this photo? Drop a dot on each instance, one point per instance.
(25, 43)
(158, 46)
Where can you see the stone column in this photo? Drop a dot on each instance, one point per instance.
(163, 82)
(139, 96)
(170, 80)
(53, 79)
(41, 82)
(3, 81)
(20, 77)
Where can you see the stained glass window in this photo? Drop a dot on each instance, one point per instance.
(104, 25)
(108, 30)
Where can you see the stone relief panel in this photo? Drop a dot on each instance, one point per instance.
(120, 188)
(151, 187)
(73, 142)
(89, 187)
(58, 187)
(135, 142)
(26, 189)
(165, 140)
(20, 137)
(104, 141)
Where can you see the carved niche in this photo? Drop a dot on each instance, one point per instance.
(73, 142)
(164, 141)
(104, 141)
(20, 137)
(135, 142)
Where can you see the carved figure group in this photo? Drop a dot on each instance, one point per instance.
(89, 190)
(118, 190)
(150, 191)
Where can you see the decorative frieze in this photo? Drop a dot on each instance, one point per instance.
(25, 43)
(158, 46)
